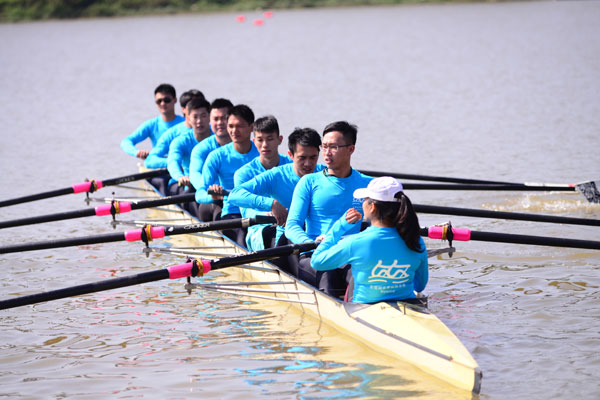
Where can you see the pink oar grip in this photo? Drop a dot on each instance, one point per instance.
(185, 270)
(104, 209)
(437, 232)
(155, 232)
(180, 271)
(85, 186)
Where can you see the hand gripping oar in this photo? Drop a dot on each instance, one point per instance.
(189, 269)
(590, 189)
(88, 186)
(472, 212)
(449, 233)
(144, 234)
(116, 207)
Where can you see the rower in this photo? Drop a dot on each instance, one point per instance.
(388, 259)
(158, 155)
(222, 163)
(267, 140)
(219, 112)
(272, 190)
(178, 160)
(164, 97)
(321, 199)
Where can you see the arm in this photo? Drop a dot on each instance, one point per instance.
(158, 156)
(422, 272)
(209, 178)
(247, 195)
(196, 161)
(331, 252)
(140, 134)
(294, 228)
(174, 159)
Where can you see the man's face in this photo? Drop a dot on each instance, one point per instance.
(267, 143)
(164, 102)
(198, 119)
(336, 157)
(305, 159)
(239, 130)
(218, 121)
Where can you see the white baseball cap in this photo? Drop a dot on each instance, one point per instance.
(382, 189)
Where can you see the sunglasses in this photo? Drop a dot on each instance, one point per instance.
(165, 100)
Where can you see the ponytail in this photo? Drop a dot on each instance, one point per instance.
(403, 217)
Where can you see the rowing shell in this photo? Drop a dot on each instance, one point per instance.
(406, 331)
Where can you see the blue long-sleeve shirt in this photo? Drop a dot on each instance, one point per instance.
(383, 267)
(319, 201)
(158, 156)
(198, 157)
(178, 160)
(254, 239)
(151, 129)
(219, 168)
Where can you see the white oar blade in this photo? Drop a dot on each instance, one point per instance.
(590, 190)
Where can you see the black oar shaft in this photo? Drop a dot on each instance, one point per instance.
(436, 178)
(534, 240)
(87, 212)
(86, 288)
(264, 254)
(174, 272)
(462, 234)
(70, 190)
(471, 212)
(505, 188)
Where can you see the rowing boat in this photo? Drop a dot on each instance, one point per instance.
(403, 330)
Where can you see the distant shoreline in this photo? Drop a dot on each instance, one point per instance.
(38, 10)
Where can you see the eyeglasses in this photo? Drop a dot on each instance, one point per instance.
(334, 147)
(165, 100)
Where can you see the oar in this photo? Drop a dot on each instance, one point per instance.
(116, 207)
(473, 212)
(193, 268)
(462, 234)
(145, 234)
(590, 189)
(88, 186)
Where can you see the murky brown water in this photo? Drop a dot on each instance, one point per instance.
(495, 91)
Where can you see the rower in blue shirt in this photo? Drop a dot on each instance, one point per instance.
(320, 199)
(158, 155)
(272, 190)
(165, 98)
(222, 163)
(178, 160)
(388, 259)
(267, 140)
(219, 112)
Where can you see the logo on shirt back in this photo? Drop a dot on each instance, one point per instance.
(384, 273)
(357, 203)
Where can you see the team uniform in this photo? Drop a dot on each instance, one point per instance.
(219, 168)
(158, 156)
(198, 157)
(319, 201)
(254, 236)
(275, 184)
(178, 161)
(382, 266)
(151, 129)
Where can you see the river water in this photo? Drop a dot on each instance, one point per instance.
(505, 91)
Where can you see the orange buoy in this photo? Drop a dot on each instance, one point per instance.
(259, 22)
(268, 14)
(240, 18)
